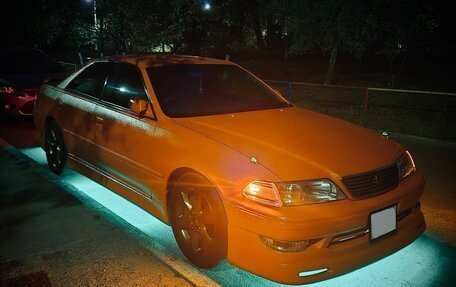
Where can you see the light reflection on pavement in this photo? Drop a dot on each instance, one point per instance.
(425, 262)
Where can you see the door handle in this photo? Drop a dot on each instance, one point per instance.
(59, 104)
(99, 121)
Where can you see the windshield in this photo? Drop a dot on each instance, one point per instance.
(199, 90)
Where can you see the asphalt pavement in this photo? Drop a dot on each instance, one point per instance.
(50, 237)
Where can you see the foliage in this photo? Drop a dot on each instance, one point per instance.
(268, 27)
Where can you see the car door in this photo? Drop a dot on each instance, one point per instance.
(123, 138)
(75, 110)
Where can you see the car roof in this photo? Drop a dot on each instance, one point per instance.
(154, 60)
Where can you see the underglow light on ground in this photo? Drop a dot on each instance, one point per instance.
(425, 262)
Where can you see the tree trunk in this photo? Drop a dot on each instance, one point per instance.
(332, 64)
(101, 32)
(401, 67)
(258, 35)
(391, 69)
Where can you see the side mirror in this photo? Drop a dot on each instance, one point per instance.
(138, 106)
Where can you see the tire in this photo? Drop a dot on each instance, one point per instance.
(54, 146)
(198, 220)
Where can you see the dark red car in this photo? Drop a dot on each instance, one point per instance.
(22, 71)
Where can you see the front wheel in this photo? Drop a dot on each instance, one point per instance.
(56, 152)
(198, 220)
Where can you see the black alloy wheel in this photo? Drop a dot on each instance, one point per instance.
(198, 220)
(56, 152)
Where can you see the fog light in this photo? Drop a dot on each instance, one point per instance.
(7, 107)
(286, 246)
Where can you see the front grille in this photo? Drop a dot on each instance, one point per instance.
(372, 183)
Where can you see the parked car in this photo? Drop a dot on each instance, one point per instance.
(238, 172)
(22, 71)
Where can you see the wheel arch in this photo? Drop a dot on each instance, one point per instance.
(48, 120)
(178, 172)
(215, 256)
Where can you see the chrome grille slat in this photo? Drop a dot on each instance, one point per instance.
(372, 182)
(371, 189)
(367, 178)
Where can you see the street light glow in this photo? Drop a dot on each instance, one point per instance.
(207, 6)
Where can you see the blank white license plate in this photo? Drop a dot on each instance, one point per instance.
(383, 222)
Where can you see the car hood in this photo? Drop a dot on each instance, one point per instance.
(298, 144)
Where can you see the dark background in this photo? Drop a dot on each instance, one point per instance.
(406, 44)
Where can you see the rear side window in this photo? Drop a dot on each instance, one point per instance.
(92, 79)
(126, 83)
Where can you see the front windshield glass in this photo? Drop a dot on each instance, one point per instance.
(191, 90)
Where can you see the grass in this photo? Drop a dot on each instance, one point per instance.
(432, 116)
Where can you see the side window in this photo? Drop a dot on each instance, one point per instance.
(126, 83)
(91, 80)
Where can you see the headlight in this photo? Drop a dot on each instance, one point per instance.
(405, 165)
(309, 192)
(293, 193)
(263, 192)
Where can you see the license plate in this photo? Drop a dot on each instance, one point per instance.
(382, 222)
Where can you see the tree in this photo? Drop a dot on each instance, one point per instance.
(38, 23)
(331, 25)
(403, 27)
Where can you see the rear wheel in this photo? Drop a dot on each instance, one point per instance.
(198, 220)
(56, 152)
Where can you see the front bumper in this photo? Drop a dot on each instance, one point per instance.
(338, 232)
(17, 106)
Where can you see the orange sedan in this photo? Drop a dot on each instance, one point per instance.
(238, 172)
